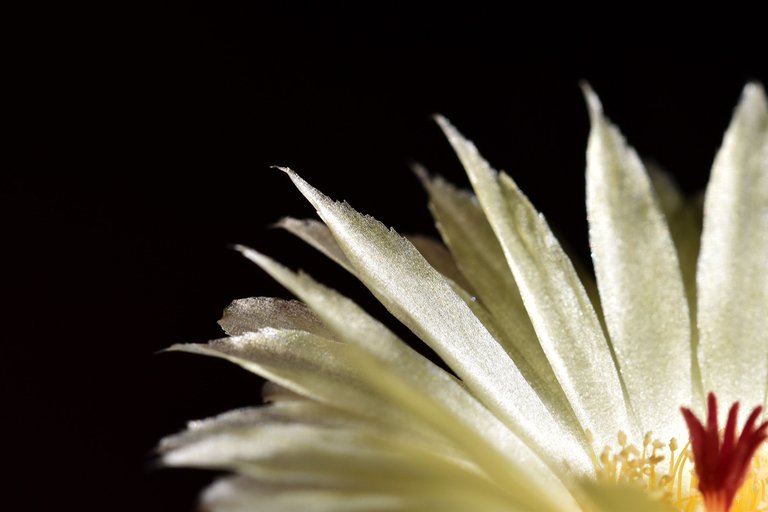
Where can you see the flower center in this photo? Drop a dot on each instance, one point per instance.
(719, 469)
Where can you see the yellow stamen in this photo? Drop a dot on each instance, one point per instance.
(675, 482)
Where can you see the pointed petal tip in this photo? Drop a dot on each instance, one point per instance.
(283, 168)
(252, 254)
(445, 125)
(307, 190)
(754, 94)
(421, 174)
(179, 347)
(283, 222)
(594, 106)
(242, 249)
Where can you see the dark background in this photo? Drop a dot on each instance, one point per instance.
(140, 149)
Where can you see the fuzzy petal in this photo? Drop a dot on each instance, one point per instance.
(639, 278)
(253, 313)
(241, 494)
(684, 221)
(732, 274)
(419, 386)
(441, 259)
(465, 229)
(610, 497)
(562, 314)
(316, 234)
(425, 302)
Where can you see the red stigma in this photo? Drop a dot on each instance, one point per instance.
(722, 464)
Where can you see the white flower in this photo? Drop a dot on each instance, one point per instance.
(546, 370)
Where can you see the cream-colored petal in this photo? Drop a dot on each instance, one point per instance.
(242, 494)
(465, 229)
(639, 279)
(303, 412)
(253, 313)
(302, 362)
(441, 260)
(271, 392)
(317, 234)
(732, 275)
(611, 497)
(340, 458)
(684, 221)
(425, 302)
(561, 312)
(424, 390)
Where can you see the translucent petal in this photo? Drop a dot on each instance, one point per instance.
(732, 274)
(299, 361)
(610, 497)
(253, 313)
(441, 259)
(308, 446)
(426, 391)
(424, 301)
(639, 279)
(317, 234)
(684, 220)
(242, 494)
(464, 228)
(561, 312)
(271, 392)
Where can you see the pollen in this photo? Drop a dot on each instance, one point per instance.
(714, 471)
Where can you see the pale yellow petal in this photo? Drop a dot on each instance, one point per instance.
(342, 457)
(732, 276)
(425, 302)
(684, 220)
(441, 259)
(562, 314)
(272, 392)
(242, 494)
(465, 229)
(611, 497)
(639, 279)
(316, 234)
(302, 362)
(253, 313)
(427, 392)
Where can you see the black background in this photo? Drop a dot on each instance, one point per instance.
(140, 149)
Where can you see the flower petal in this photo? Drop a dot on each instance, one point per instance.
(317, 234)
(684, 221)
(428, 392)
(307, 444)
(732, 274)
(611, 497)
(639, 279)
(253, 313)
(423, 300)
(300, 361)
(242, 494)
(441, 259)
(465, 229)
(562, 314)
